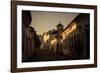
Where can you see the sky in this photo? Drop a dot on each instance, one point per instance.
(45, 21)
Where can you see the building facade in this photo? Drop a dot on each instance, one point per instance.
(30, 41)
(72, 41)
(53, 41)
(76, 38)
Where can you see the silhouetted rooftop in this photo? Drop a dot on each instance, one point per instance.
(59, 25)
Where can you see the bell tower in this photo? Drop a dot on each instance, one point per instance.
(59, 27)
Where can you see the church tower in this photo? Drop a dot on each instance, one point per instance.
(59, 27)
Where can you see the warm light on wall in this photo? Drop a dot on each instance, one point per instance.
(69, 30)
(53, 41)
(46, 37)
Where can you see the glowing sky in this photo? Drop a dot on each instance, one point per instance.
(45, 21)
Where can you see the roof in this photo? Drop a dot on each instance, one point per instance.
(71, 22)
(52, 31)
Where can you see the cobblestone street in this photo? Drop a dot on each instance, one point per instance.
(46, 55)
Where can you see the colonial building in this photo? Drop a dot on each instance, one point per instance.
(27, 44)
(52, 40)
(59, 39)
(30, 41)
(76, 38)
(72, 41)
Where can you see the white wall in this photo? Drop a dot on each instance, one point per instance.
(5, 36)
